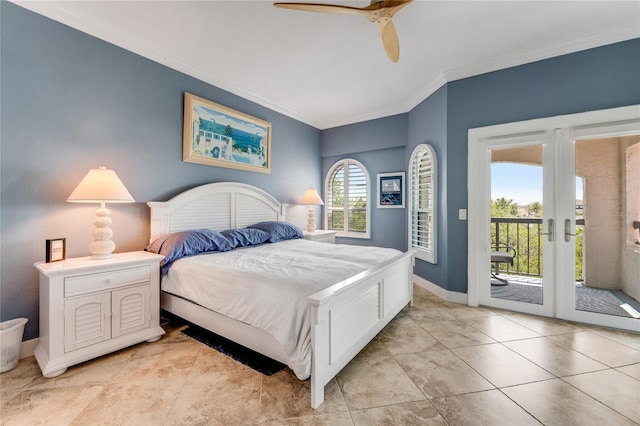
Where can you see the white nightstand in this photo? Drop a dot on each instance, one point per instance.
(92, 307)
(321, 236)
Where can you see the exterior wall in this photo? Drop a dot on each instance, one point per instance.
(631, 236)
(599, 163)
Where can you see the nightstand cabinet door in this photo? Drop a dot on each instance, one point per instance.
(130, 310)
(89, 307)
(86, 321)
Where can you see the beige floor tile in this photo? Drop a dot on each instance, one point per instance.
(13, 381)
(624, 337)
(375, 349)
(429, 312)
(228, 398)
(501, 366)
(441, 373)
(613, 388)
(141, 401)
(285, 396)
(402, 336)
(501, 328)
(210, 359)
(419, 413)
(455, 334)
(632, 370)
(554, 402)
(544, 326)
(375, 381)
(554, 357)
(599, 348)
(487, 408)
(154, 361)
(333, 419)
(460, 311)
(98, 371)
(48, 406)
(422, 294)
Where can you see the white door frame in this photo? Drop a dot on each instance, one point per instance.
(568, 128)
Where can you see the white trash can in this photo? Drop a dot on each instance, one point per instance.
(10, 339)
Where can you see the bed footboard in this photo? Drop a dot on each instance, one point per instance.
(348, 315)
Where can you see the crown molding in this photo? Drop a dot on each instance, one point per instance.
(52, 11)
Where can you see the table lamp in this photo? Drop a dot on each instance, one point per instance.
(102, 186)
(311, 198)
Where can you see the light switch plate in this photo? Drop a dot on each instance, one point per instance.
(462, 214)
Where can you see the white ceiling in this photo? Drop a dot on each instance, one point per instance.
(328, 70)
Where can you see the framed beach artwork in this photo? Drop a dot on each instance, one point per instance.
(219, 136)
(391, 190)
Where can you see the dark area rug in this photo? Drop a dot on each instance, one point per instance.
(242, 354)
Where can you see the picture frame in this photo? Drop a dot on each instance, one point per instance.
(391, 190)
(55, 250)
(216, 135)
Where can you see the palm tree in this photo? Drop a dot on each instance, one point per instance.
(535, 209)
(504, 207)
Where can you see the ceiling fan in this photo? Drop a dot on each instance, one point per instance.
(379, 12)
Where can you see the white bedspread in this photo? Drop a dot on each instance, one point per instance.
(267, 286)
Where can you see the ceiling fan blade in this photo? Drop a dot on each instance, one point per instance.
(390, 7)
(389, 39)
(326, 8)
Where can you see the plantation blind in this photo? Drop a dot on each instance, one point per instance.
(347, 203)
(422, 187)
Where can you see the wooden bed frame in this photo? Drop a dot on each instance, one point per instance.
(344, 317)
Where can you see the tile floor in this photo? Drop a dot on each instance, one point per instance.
(437, 363)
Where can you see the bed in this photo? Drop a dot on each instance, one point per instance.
(341, 318)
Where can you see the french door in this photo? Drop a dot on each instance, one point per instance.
(538, 238)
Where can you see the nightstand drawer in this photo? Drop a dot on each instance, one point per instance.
(82, 284)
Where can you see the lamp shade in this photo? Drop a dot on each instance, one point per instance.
(311, 198)
(100, 185)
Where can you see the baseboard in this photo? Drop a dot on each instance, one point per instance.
(449, 296)
(27, 348)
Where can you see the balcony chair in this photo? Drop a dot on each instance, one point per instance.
(503, 253)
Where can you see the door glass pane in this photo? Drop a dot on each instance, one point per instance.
(516, 224)
(607, 204)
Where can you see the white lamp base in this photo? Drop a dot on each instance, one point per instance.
(102, 247)
(311, 221)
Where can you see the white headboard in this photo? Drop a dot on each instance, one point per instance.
(217, 206)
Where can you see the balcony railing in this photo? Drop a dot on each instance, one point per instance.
(523, 234)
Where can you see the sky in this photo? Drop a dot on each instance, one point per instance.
(520, 182)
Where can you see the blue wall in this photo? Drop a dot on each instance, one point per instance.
(71, 102)
(380, 146)
(600, 78)
(428, 124)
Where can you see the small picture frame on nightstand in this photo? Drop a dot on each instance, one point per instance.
(56, 250)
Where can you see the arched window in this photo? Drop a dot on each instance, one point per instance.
(347, 199)
(422, 203)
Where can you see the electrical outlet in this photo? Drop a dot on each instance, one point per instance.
(462, 214)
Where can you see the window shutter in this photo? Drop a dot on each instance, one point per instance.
(423, 195)
(334, 203)
(346, 199)
(357, 190)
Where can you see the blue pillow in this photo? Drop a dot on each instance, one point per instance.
(244, 237)
(188, 243)
(279, 231)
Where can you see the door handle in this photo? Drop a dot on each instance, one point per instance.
(550, 228)
(567, 230)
